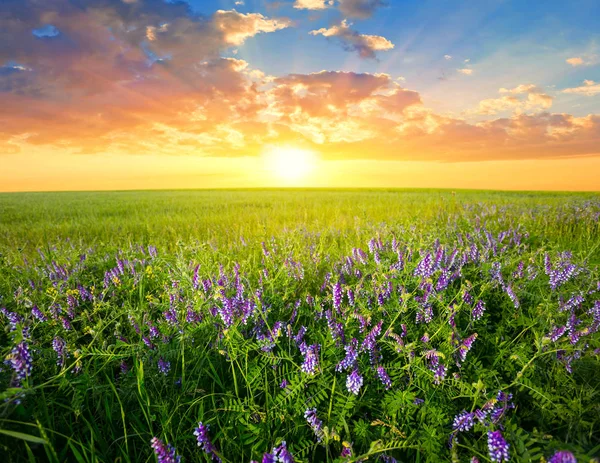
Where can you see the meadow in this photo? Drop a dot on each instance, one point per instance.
(300, 325)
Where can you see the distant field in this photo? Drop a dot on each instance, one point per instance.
(299, 325)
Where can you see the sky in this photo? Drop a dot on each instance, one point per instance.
(144, 94)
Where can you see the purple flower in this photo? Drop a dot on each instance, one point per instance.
(351, 356)
(164, 366)
(465, 347)
(20, 360)
(337, 296)
(424, 268)
(37, 313)
(563, 456)
(311, 358)
(556, 333)
(384, 377)
(346, 450)
(463, 421)
(354, 382)
(164, 453)
(314, 422)
(512, 296)
(478, 310)
(201, 433)
(439, 373)
(60, 347)
(281, 454)
(418, 401)
(497, 446)
(13, 318)
(562, 275)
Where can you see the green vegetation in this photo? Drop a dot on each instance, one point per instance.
(381, 324)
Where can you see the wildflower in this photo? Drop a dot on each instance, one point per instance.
(346, 450)
(13, 318)
(465, 347)
(60, 347)
(384, 377)
(463, 421)
(20, 360)
(478, 310)
(497, 446)
(351, 357)
(561, 276)
(337, 296)
(311, 358)
(37, 313)
(284, 384)
(556, 333)
(66, 323)
(424, 268)
(512, 296)
(439, 373)
(354, 382)
(164, 453)
(148, 343)
(418, 401)
(281, 454)
(201, 433)
(573, 302)
(563, 456)
(164, 366)
(350, 295)
(314, 422)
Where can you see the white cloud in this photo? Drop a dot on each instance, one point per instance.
(589, 88)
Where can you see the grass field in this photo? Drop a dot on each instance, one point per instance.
(299, 325)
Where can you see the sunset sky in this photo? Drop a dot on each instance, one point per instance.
(120, 94)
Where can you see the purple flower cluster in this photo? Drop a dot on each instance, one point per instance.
(20, 360)
(563, 456)
(354, 382)
(310, 365)
(384, 377)
(497, 446)
(314, 422)
(351, 357)
(60, 347)
(201, 433)
(463, 421)
(164, 366)
(164, 453)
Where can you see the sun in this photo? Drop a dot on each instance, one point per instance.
(289, 163)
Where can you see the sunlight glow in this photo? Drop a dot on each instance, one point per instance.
(289, 164)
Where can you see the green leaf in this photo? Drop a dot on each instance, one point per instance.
(23, 436)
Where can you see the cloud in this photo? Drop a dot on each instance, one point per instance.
(312, 4)
(239, 3)
(531, 97)
(351, 40)
(447, 57)
(583, 60)
(576, 61)
(465, 71)
(589, 88)
(148, 77)
(361, 9)
(237, 27)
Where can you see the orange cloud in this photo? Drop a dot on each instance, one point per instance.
(589, 88)
(237, 27)
(148, 77)
(312, 4)
(465, 71)
(351, 40)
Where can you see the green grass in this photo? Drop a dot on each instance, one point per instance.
(227, 373)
